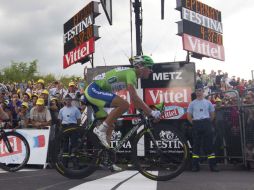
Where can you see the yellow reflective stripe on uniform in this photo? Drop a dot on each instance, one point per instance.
(195, 156)
(211, 157)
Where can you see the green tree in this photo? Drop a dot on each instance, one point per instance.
(21, 71)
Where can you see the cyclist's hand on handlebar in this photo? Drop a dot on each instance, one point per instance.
(156, 114)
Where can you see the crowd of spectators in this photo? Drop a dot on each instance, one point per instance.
(217, 83)
(230, 109)
(36, 105)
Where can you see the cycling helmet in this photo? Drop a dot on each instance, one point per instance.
(143, 60)
(3, 89)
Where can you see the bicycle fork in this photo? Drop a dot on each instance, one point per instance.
(7, 143)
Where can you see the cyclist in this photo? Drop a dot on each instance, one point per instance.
(3, 92)
(101, 93)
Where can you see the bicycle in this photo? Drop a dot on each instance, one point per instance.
(156, 162)
(14, 149)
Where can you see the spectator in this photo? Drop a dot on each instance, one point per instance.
(23, 115)
(200, 113)
(70, 116)
(39, 115)
(27, 98)
(45, 96)
(39, 87)
(34, 99)
(74, 94)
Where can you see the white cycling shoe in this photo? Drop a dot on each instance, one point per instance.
(102, 136)
(115, 168)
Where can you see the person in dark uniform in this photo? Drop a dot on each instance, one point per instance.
(200, 113)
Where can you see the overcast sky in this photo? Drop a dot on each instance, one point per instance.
(32, 30)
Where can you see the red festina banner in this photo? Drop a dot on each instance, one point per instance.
(78, 53)
(206, 48)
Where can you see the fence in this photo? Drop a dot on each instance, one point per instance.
(233, 127)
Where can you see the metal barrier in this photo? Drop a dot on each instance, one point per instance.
(228, 129)
(247, 111)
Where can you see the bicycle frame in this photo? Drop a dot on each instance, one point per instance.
(5, 139)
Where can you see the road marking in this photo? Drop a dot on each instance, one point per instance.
(23, 170)
(115, 181)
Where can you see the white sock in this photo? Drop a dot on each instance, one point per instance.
(103, 127)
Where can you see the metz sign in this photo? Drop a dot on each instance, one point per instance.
(80, 34)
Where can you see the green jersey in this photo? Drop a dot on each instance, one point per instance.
(116, 79)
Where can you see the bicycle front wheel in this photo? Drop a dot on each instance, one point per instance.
(15, 151)
(160, 154)
(74, 158)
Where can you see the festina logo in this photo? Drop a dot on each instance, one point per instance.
(78, 28)
(167, 76)
(167, 144)
(79, 53)
(193, 44)
(167, 95)
(201, 20)
(125, 145)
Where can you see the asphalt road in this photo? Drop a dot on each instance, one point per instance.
(49, 179)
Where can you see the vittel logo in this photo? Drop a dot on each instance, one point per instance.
(172, 95)
(168, 76)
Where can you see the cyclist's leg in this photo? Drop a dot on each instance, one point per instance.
(100, 99)
(120, 106)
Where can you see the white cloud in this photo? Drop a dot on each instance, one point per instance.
(34, 29)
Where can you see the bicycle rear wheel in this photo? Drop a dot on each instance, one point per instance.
(160, 155)
(18, 158)
(74, 157)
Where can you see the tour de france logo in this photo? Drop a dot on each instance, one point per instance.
(116, 136)
(167, 136)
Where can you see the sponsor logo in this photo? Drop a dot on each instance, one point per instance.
(121, 69)
(79, 53)
(81, 26)
(167, 76)
(39, 141)
(112, 80)
(201, 20)
(167, 136)
(116, 136)
(101, 93)
(115, 139)
(173, 112)
(16, 145)
(167, 95)
(197, 45)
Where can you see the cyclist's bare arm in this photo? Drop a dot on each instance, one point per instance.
(138, 103)
(3, 114)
